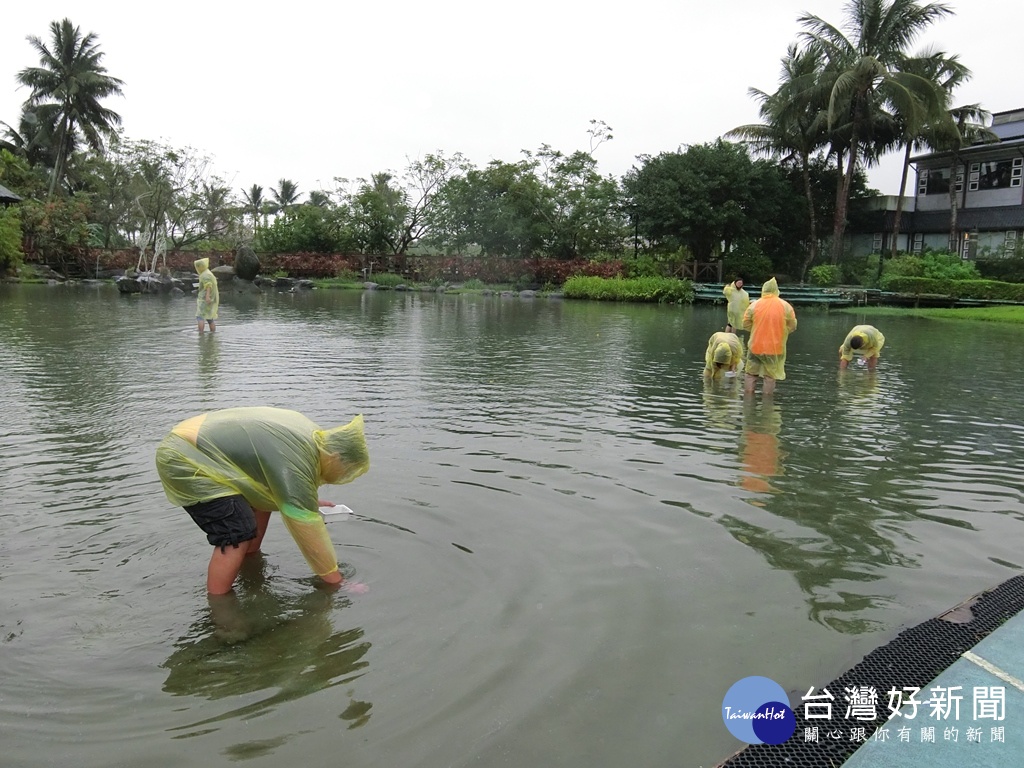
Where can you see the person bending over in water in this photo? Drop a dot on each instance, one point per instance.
(230, 468)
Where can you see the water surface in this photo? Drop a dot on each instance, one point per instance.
(573, 546)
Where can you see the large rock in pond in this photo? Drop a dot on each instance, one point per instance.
(247, 263)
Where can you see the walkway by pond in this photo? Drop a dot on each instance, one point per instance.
(573, 546)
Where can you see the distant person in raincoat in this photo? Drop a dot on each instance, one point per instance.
(770, 320)
(208, 301)
(229, 469)
(724, 355)
(865, 341)
(737, 301)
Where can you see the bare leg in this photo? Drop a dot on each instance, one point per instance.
(262, 521)
(872, 363)
(748, 383)
(201, 324)
(769, 386)
(224, 567)
(843, 364)
(213, 325)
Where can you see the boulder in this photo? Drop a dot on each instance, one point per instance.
(247, 263)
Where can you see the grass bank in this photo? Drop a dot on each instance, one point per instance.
(1009, 314)
(647, 289)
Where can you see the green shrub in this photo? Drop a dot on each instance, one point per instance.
(388, 279)
(960, 289)
(647, 289)
(474, 284)
(825, 274)
(937, 265)
(11, 254)
(348, 275)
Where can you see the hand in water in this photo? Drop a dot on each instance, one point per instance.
(354, 587)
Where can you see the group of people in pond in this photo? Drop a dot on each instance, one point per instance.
(769, 320)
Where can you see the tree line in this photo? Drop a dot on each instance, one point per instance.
(761, 195)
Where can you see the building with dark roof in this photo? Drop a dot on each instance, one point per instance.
(7, 197)
(988, 182)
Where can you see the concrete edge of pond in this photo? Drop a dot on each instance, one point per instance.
(978, 644)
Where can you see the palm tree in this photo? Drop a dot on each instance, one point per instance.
(949, 73)
(320, 199)
(873, 74)
(960, 127)
(794, 125)
(33, 138)
(285, 195)
(254, 204)
(71, 79)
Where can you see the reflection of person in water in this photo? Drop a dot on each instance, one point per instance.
(208, 358)
(759, 446)
(284, 645)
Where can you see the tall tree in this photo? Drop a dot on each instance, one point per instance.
(949, 73)
(255, 204)
(959, 128)
(794, 127)
(71, 78)
(285, 195)
(872, 75)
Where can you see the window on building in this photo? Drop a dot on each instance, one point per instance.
(969, 245)
(933, 181)
(1015, 171)
(876, 243)
(1010, 242)
(992, 174)
(918, 242)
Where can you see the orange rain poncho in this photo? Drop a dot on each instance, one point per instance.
(275, 458)
(872, 342)
(208, 301)
(737, 302)
(724, 348)
(770, 320)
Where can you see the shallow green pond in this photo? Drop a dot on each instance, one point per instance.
(573, 546)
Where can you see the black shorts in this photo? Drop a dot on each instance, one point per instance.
(227, 521)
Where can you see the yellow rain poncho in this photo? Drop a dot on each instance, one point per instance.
(770, 320)
(208, 301)
(872, 342)
(725, 349)
(275, 458)
(737, 302)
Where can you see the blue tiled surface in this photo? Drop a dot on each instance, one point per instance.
(1004, 649)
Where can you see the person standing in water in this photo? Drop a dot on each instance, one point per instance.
(770, 320)
(737, 301)
(208, 301)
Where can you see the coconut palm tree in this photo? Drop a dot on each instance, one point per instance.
(872, 76)
(33, 138)
(949, 73)
(71, 78)
(794, 126)
(285, 195)
(960, 127)
(254, 204)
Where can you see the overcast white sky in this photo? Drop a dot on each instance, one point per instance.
(314, 90)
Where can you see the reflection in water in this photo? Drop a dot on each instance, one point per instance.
(759, 446)
(209, 352)
(821, 543)
(721, 404)
(285, 646)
